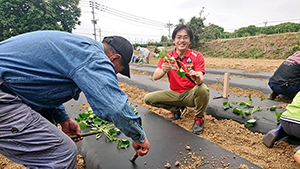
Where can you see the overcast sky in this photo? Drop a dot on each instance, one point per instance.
(229, 14)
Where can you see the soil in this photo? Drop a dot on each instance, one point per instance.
(227, 134)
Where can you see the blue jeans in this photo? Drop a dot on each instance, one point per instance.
(29, 139)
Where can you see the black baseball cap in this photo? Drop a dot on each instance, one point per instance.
(124, 48)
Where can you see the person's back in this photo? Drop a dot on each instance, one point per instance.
(286, 78)
(41, 70)
(40, 54)
(144, 53)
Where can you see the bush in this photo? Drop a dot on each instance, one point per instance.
(258, 55)
(295, 48)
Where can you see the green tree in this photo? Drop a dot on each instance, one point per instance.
(197, 25)
(164, 39)
(21, 16)
(227, 35)
(212, 32)
(181, 21)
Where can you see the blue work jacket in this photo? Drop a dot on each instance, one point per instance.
(48, 68)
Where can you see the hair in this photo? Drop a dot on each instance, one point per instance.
(185, 27)
(112, 51)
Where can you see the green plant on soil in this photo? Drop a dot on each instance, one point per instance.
(245, 109)
(278, 115)
(172, 62)
(90, 120)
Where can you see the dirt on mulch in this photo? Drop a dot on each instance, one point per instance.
(227, 134)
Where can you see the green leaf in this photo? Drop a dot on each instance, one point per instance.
(134, 108)
(226, 105)
(278, 115)
(250, 122)
(250, 99)
(123, 143)
(84, 115)
(244, 105)
(255, 109)
(238, 111)
(90, 110)
(247, 112)
(99, 135)
(162, 54)
(82, 125)
(94, 129)
(181, 72)
(273, 108)
(112, 131)
(262, 99)
(78, 119)
(98, 120)
(171, 59)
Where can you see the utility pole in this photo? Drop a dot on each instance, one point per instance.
(92, 5)
(265, 23)
(99, 34)
(169, 27)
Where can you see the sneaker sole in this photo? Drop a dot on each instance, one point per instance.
(269, 140)
(197, 133)
(171, 119)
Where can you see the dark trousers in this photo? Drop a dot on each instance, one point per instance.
(289, 91)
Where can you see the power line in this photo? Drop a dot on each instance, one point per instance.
(157, 28)
(123, 17)
(128, 16)
(132, 17)
(130, 33)
(124, 21)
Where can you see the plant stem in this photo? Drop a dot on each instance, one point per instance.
(85, 134)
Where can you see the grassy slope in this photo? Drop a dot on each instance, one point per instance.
(265, 46)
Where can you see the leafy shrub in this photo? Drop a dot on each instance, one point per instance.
(258, 55)
(295, 48)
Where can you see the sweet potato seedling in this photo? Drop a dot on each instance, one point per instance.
(181, 71)
(90, 120)
(238, 108)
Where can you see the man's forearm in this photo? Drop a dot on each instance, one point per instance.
(158, 74)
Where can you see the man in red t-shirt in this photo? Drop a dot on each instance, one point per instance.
(188, 91)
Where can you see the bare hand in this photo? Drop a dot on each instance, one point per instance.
(197, 76)
(141, 148)
(70, 127)
(166, 67)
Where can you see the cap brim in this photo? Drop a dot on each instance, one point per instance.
(126, 71)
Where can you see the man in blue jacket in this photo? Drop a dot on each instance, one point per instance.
(39, 71)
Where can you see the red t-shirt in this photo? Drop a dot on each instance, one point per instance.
(192, 60)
